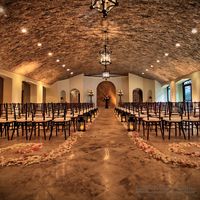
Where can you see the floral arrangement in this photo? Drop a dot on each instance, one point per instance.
(178, 149)
(24, 148)
(158, 155)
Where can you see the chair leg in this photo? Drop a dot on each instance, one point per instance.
(26, 127)
(143, 126)
(14, 125)
(8, 128)
(175, 129)
(51, 131)
(65, 131)
(148, 129)
(156, 127)
(169, 130)
(181, 124)
(44, 126)
(161, 129)
(188, 130)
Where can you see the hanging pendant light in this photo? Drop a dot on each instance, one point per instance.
(104, 6)
(106, 73)
(105, 53)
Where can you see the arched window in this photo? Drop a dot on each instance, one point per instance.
(187, 90)
(168, 93)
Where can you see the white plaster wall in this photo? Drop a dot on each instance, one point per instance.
(14, 86)
(144, 84)
(7, 90)
(77, 82)
(160, 92)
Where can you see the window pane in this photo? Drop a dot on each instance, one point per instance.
(188, 93)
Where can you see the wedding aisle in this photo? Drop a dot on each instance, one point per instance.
(103, 164)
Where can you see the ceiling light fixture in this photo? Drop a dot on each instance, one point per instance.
(2, 10)
(39, 44)
(57, 60)
(142, 73)
(166, 54)
(71, 73)
(50, 54)
(24, 30)
(178, 45)
(194, 30)
(105, 52)
(106, 73)
(157, 61)
(151, 66)
(63, 65)
(104, 6)
(147, 70)
(68, 70)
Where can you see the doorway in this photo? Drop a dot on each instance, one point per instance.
(26, 91)
(137, 95)
(106, 88)
(74, 96)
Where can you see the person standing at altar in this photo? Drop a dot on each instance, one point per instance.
(107, 100)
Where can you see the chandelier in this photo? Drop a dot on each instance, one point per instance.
(104, 6)
(106, 73)
(105, 52)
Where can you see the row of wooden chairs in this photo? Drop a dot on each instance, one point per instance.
(184, 117)
(46, 117)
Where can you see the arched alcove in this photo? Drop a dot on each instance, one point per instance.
(75, 96)
(106, 88)
(137, 95)
(26, 92)
(63, 96)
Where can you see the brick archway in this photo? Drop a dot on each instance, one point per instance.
(106, 88)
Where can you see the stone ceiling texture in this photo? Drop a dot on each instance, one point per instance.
(140, 32)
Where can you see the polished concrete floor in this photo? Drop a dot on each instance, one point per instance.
(103, 164)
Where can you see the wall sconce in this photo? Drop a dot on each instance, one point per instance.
(90, 94)
(120, 94)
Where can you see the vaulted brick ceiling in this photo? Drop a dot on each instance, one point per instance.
(140, 33)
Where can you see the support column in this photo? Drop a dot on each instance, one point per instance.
(39, 93)
(172, 91)
(195, 77)
(16, 90)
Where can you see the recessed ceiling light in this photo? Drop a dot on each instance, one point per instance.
(157, 61)
(143, 73)
(151, 66)
(71, 73)
(166, 54)
(24, 30)
(57, 60)
(68, 69)
(147, 70)
(39, 44)
(194, 30)
(2, 11)
(50, 54)
(178, 45)
(63, 65)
